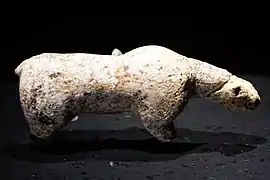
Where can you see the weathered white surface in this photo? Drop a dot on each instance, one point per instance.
(153, 82)
(115, 52)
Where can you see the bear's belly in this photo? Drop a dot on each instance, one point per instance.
(106, 103)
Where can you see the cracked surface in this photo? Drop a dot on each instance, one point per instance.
(152, 82)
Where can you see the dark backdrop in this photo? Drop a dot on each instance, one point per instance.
(238, 44)
(235, 145)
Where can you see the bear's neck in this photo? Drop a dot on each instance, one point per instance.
(207, 78)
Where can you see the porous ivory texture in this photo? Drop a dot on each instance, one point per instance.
(153, 82)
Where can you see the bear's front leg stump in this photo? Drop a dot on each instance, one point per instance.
(158, 117)
(159, 126)
(163, 131)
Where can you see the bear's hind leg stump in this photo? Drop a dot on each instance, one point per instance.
(44, 129)
(46, 140)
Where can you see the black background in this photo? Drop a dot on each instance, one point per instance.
(215, 143)
(236, 43)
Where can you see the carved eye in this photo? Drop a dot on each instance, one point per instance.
(236, 90)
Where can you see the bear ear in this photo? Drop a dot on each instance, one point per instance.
(116, 52)
(237, 90)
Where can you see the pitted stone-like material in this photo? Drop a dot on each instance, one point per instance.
(152, 82)
(115, 52)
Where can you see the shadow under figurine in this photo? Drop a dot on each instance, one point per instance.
(153, 82)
